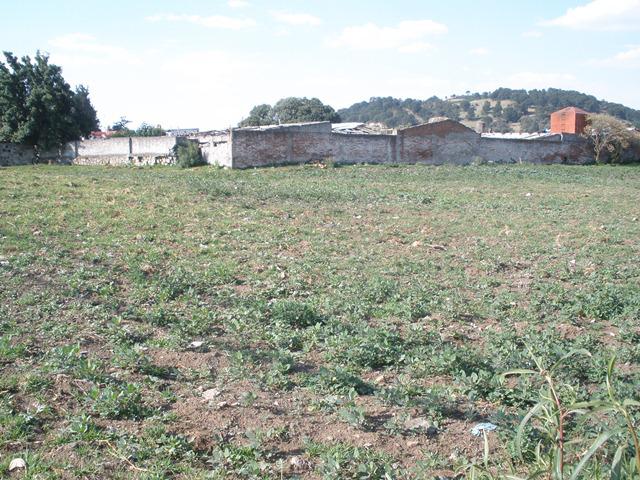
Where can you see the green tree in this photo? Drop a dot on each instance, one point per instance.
(510, 114)
(295, 109)
(529, 124)
(486, 108)
(86, 118)
(497, 109)
(120, 125)
(146, 130)
(37, 106)
(259, 115)
(500, 126)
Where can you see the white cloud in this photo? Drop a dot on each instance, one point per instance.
(603, 15)
(627, 58)
(403, 37)
(238, 3)
(82, 46)
(417, 47)
(480, 51)
(297, 19)
(532, 34)
(211, 21)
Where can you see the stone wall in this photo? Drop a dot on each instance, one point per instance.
(567, 148)
(126, 151)
(445, 142)
(281, 145)
(14, 154)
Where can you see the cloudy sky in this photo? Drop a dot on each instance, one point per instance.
(205, 63)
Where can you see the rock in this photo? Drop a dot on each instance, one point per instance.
(210, 394)
(196, 344)
(421, 424)
(299, 464)
(222, 405)
(17, 464)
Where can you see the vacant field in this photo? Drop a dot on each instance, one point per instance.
(304, 322)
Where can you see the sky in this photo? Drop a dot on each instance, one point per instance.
(206, 63)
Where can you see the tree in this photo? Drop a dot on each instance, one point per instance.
(85, 115)
(500, 126)
(529, 124)
(146, 130)
(294, 110)
(291, 110)
(37, 106)
(607, 134)
(510, 114)
(120, 125)
(259, 115)
(497, 109)
(486, 107)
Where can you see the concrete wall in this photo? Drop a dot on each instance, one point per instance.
(216, 148)
(14, 154)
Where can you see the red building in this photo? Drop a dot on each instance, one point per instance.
(569, 120)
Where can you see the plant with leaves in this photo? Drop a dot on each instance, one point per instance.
(38, 107)
(567, 448)
(607, 134)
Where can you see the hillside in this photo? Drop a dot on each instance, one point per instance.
(502, 110)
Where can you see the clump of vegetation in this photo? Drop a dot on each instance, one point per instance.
(188, 155)
(296, 314)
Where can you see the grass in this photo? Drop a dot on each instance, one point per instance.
(311, 323)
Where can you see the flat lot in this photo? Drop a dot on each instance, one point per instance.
(347, 321)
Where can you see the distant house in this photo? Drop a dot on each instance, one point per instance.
(182, 132)
(569, 120)
(100, 134)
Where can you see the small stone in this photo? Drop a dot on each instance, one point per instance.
(412, 443)
(421, 424)
(196, 344)
(17, 464)
(222, 405)
(210, 394)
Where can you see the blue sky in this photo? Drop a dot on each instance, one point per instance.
(205, 63)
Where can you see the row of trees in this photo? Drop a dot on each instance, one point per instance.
(38, 107)
(290, 110)
(144, 130)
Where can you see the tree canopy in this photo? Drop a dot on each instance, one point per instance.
(38, 107)
(291, 110)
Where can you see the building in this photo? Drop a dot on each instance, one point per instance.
(569, 120)
(182, 132)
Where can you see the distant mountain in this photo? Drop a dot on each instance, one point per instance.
(502, 110)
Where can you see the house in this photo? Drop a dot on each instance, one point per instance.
(569, 120)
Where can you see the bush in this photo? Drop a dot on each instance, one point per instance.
(189, 155)
(295, 314)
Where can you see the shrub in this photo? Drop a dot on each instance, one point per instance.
(189, 155)
(295, 314)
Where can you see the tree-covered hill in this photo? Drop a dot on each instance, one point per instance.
(502, 110)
